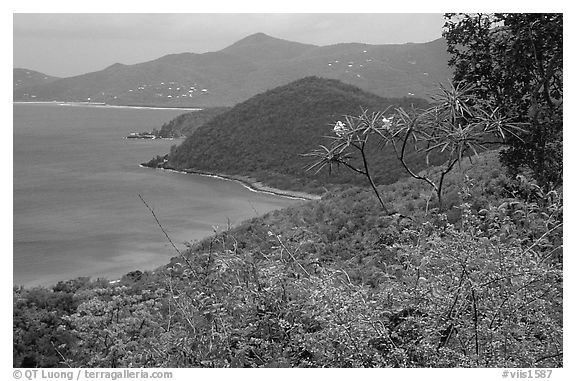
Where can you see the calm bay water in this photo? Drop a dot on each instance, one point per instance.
(76, 185)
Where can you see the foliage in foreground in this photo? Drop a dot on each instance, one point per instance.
(457, 126)
(515, 60)
(481, 287)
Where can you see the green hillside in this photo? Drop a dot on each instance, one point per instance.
(331, 283)
(186, 124)
(265, 137)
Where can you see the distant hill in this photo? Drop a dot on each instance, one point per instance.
(23, 78)
(186, 124)
(174, 80)
(262, 49)
(264, 137)
(250, 66)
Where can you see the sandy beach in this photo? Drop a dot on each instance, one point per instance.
(106, 105)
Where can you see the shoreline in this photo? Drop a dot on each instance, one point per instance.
(246, 182)
(104, 105)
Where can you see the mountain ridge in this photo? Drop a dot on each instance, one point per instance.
(264, 49)
(249, 66)
(25, 77)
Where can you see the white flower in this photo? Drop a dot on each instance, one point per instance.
(340, 129)
(387, 122)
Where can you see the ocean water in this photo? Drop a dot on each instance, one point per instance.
(76, 186)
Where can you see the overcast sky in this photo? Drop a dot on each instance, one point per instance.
(70, 44)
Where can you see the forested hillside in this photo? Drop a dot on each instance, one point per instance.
(331, 283)
(265, 137)
(186, 124)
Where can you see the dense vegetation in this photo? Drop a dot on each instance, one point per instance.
(334, 282)
(515, 61)
(469, 276)
(186, 124)
(456, 126)
(265, 137)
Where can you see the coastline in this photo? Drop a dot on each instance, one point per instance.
(247, 182)
(103, 105)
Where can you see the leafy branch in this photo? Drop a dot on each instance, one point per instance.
(457, 126)
(352, 135)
